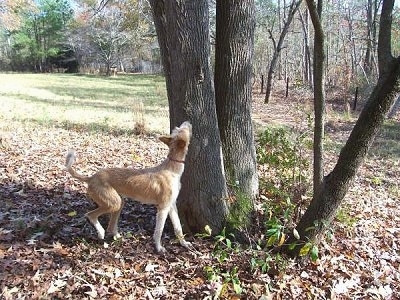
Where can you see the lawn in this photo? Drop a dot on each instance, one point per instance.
(49, 251)
(87, 102)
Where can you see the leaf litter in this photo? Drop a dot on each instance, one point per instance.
(48, 250)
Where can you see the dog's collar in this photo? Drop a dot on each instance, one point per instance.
(176, 160)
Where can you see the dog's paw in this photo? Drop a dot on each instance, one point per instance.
(185, 243)
(101, 233)
(116, 236)
(161, 250)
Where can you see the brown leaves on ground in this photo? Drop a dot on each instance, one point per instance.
(48, 249)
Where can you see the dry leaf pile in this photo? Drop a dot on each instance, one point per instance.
(48, 250)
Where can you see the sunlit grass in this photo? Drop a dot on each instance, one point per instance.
(92, 102)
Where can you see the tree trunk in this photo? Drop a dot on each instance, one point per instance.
(233, 72)
(307, 76)
(324, 205)
(369, 50)
(372, 11)
(319, 93)
(294, 6)
(183, 34)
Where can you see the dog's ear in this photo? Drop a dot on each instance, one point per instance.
(181, 143)
(165, 139)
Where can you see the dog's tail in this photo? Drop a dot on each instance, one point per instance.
(69, 161)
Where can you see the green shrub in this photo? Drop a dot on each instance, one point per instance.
(239, 212)
(284, 166)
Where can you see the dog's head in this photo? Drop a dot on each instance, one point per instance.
(179, 138)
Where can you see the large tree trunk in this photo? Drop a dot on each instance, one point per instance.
(335, 185)
(294, 6)
(235, 25)
(183, 34)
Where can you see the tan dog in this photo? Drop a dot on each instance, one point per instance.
(159, 185)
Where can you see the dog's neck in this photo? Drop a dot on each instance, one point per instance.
(176, 160)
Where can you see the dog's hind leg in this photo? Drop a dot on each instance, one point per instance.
(113, 224)
(93, 217)
(108, 201)
(162, 214)
(176, 223)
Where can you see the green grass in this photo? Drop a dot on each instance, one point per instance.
(387, 143)
(89, 102)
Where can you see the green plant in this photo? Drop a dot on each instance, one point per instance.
(264, 263)
(310, 249)
(224, 246)
(376, 180)
(394, 190)
(275, 232)
(281, 154)
(279, 216)
(220, 280)
(232, 276)
(223, 249)
(345, 218)
(239, 211)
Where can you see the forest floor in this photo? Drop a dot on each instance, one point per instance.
(48, 250)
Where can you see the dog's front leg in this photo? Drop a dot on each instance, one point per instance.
(173, 215)
(162, 214)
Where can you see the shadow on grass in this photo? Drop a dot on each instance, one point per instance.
(92, 127)
(130, 80)
(109, 95)
(387, 142)
(72, 103)
(97, 91)
(105, 105)
(123, 77)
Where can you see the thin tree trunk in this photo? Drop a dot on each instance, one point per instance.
(324, 205)
(307, 77)
(352, 42)
(335, 185)
(235, 25)
(183, 34)
(369, 50)
(294, 6)
(319, 93)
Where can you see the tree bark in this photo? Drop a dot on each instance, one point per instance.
(235, 23)
(183, 34)
(369, 50)
(319, 93)
(307, 77)
(294, 6)
(372, 11)
(335, 185)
